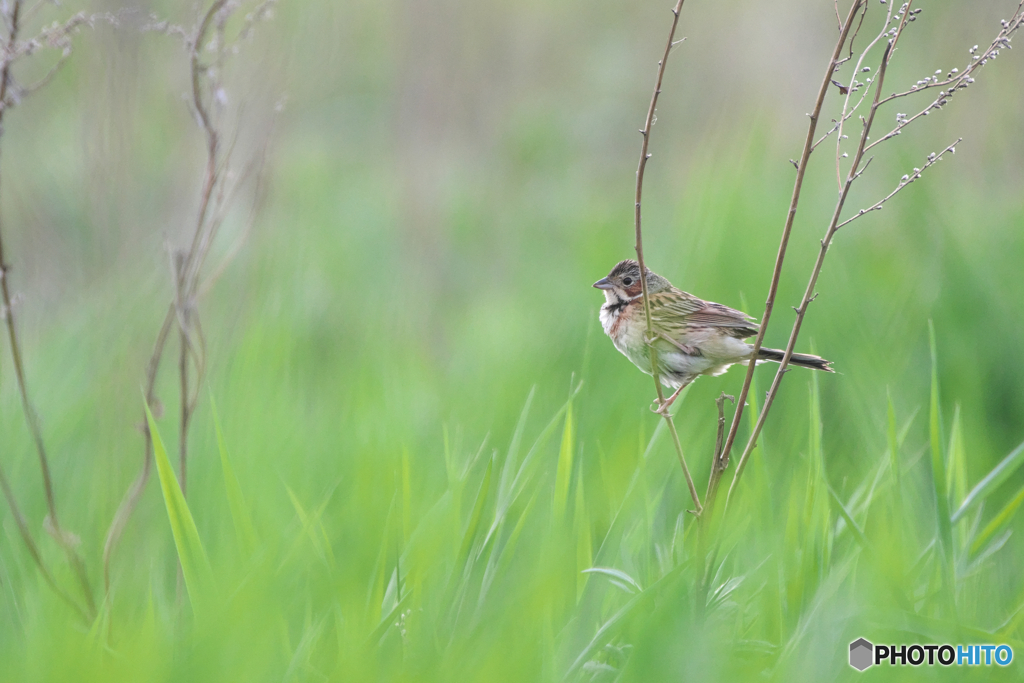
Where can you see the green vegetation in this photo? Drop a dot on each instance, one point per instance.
(426, 462)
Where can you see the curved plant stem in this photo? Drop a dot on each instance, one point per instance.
(644, 156)
(134, 493)
(66, 540)
(33, 549)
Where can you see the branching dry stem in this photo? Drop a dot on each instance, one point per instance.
(953, 82)
(722, 461)
(809, 294)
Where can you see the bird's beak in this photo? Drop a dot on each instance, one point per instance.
(603, 284)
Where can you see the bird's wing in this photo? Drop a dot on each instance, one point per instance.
(718, 315)
(673, 309)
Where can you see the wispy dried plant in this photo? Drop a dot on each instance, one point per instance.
(208, 46)
(57, 37)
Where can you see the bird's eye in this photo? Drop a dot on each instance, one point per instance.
(627, 281)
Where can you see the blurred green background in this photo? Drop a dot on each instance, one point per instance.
(399, 334)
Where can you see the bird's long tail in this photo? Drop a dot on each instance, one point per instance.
(804, 360)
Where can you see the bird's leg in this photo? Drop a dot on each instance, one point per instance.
(663, 408)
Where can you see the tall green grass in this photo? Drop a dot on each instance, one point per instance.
(516, 568)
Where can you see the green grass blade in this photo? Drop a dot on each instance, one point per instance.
(611, 626)
(898, 524)
(526, 467)
(584, 544)
(244, 530)
(615, 526)
(506, 481)
(507, 468)
(938, 461)
(477, 514)
(935, 426)
(385, 623)
(845, 514)
(406, 497)
(957, 483)
(100, 626)
(312, 528)
(991, 482)
(819, 507)
(563, 474)
(449, 458)
(998, 522)
(632, 586)
(758, 478)
(195, 565)
(508, 550)
(1014, 623)
(300, 660)
(815, 429)
(378, 578)
(894, 444)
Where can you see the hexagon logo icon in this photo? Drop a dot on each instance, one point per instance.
(861, 654)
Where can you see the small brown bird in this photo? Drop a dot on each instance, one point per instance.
(693, 337)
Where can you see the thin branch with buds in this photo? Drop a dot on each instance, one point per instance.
(904, 182)
(895, 23)
(955, 80)
(856, 85)
(650, 337)
(902, 18)
(722, 461)
(809, 295)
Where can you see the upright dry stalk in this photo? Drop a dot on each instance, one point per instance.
(644, 156)
(187, 265)
(721, 460)
(11, 51)
(809, 296)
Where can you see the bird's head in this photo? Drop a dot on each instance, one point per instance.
(623, 283)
